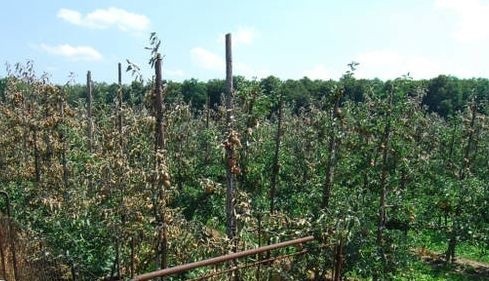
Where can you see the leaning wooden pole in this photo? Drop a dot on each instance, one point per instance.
(230, 145)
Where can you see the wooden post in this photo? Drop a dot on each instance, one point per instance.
(160, 181)
(121, 183)
(231, 145)
(159, 137)
(89, 111)
(63, 143)
(229, 80)
(119, 99)
(231, 161)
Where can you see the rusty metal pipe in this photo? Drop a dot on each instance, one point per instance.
(248, 265)
(220, 259)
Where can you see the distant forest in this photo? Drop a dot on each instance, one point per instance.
(444, 95)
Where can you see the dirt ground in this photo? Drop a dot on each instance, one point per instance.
(474, 269)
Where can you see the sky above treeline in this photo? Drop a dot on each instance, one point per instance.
(287, 39)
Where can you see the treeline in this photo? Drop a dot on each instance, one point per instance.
(445, 95)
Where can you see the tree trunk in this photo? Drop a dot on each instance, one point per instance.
(207, 143)
(89, 111)
(466, 161)
(332, 150)
(37, 157)
(339, 260)
(276, 160)
(384, 145)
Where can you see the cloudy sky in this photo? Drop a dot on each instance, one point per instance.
(288, 39)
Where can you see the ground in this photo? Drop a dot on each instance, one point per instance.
(462, 269)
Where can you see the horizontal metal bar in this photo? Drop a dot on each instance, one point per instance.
(220, 259)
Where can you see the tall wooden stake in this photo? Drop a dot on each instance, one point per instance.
(231, 161)
(119, 99)
(63, 142)
(121, 172)
(159, 147)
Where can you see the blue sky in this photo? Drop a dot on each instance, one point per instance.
(288, 39)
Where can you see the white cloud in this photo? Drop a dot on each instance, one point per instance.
(207, 59)
(388, 64)
(471, 18)
(105, 18)
(241, 36)
(318, 72)
(75, 53)
(70, 16)
(244, 35)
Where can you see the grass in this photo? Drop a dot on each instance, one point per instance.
(434, 268)
(423, 271)
(438, 244)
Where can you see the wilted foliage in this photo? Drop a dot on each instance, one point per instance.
(364, 176)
